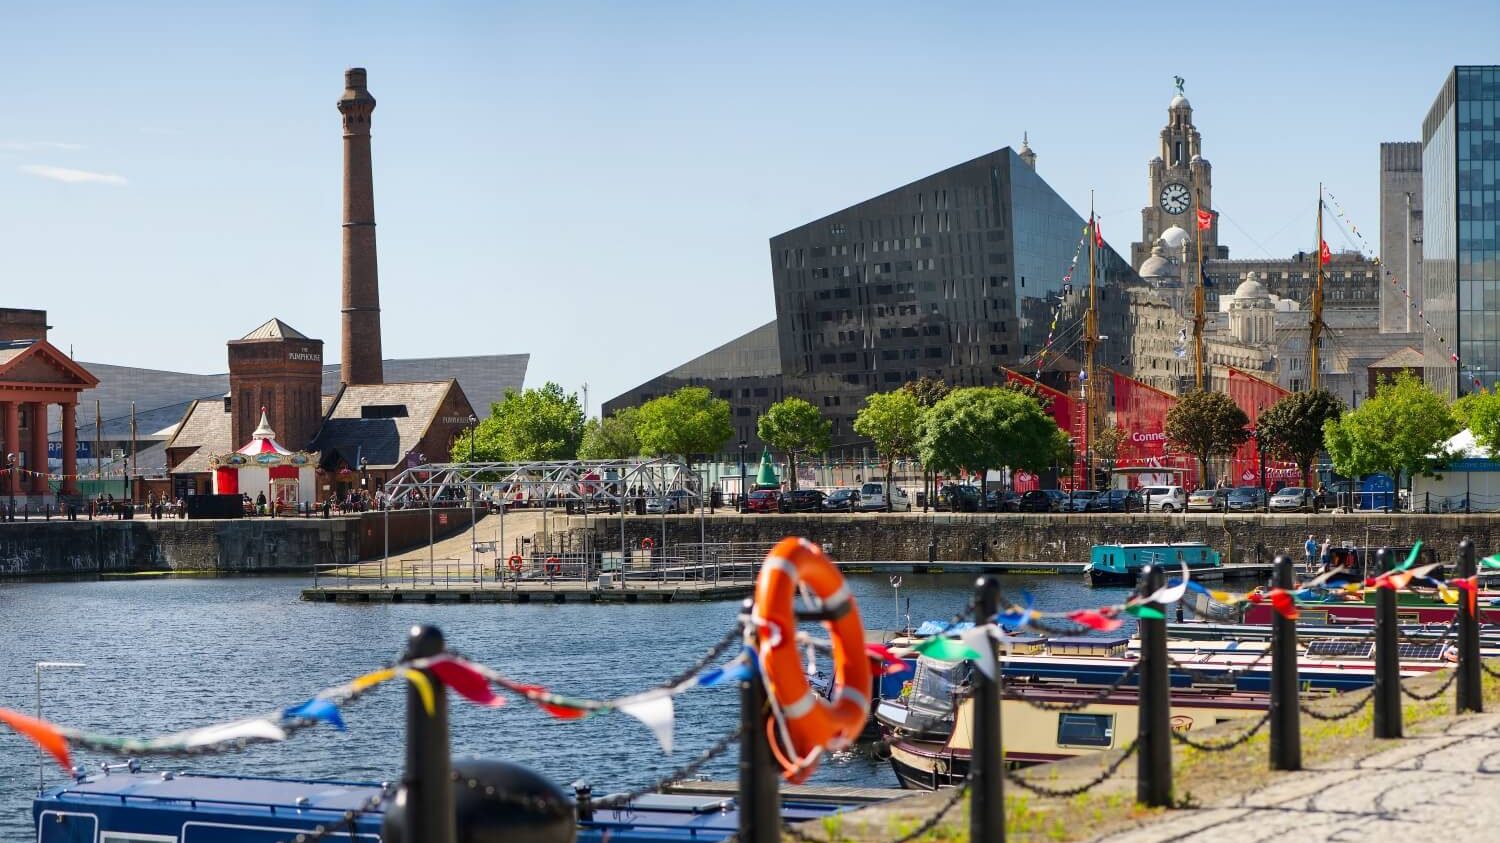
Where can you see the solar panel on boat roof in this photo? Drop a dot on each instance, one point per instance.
(1415, 650)
(1334, 648)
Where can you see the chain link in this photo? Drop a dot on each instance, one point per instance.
(927, 825)
(1490, 670)
(1223, 746)
(525, 801)
(689, 769)
(1348, 712)
(1067, 793)
(1082, 704)
(1452, 675)
(350, 817)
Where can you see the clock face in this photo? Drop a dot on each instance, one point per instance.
(1174, 198)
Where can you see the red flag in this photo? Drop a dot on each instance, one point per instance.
(1205, 219)
(1098, 236)
(1323, 252)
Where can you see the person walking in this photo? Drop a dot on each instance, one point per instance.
(1312, 551)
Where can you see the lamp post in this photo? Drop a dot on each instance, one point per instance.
(743, 443)
(10, 463)
(1260, 452)
(364, 476)
(473, 425)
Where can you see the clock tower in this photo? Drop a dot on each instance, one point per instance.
(1180, 180)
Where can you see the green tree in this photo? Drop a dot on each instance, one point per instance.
(1292, 428)
(793, 425)
(689, 421)
(533, 424)
(610, 438)
(1107, 444)
(1402, 428)
(1464, 406)
(928, 391)
(1206, 425)
(892, 420)
(980, 428)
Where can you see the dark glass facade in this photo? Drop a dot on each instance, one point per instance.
(1461, 230)
(952, 276)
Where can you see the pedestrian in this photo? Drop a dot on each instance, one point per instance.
(1327, 552)
(1312, 550)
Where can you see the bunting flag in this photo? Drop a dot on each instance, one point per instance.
(655, 711)
(41, 733)
(978, 640)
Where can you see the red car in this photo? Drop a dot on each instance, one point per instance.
(763, 500)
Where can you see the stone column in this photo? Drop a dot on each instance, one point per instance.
(70, 448)
(12, 425)
(36, 458)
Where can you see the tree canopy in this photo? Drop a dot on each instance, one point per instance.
(1206, 425)
(793, 425)
(1292, 428)
(1107, 442)
(892, 420)
(690, 421)
(1401, 429)
(530, 425)
(611, 438)
(927, 390)
(981, 428)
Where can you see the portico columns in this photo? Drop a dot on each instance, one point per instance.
(70, 448)
(12, 425)
(36, 458)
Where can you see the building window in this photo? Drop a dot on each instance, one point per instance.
(383, 411)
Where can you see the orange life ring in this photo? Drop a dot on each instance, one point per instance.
(647, 543)
(809, 724)
(515, 563)
(553, 565)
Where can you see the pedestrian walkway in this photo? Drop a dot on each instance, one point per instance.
(1444, 782)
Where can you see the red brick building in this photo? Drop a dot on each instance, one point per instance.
(33, 375)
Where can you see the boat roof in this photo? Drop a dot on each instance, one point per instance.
(249, 791)
(1152, 544)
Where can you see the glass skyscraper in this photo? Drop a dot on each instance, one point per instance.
(1461, 231)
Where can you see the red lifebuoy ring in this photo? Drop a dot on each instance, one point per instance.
(647, 543)
(553, 565)
(515, 563)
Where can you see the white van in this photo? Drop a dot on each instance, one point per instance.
(872, 498)
(1164, 498)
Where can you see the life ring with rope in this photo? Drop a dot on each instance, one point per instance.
(515, 563)
(647, 543)
(553, 565)
(803, 724)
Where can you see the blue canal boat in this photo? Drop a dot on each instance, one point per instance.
(142, 807)
(1121, 564)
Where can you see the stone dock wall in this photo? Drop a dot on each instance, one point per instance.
(1051, 538)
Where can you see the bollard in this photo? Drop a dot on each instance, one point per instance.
(1286, 714)
(429, 768)
(1153, 785)
(760, 797)
(1470, 691)
(1387, 658)
(987, 770)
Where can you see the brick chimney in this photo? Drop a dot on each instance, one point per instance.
(361, 301)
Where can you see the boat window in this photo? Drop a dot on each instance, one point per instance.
(130, 837)
(1097, 730)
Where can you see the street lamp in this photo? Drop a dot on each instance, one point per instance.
(1260, 450)
(743, 444)
(364, 479)
(10, 462)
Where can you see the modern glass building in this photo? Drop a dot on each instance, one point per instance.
(952, 275)
(1461, 231)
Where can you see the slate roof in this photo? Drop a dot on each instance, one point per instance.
(275, 330)
(484, 378)
(208, 429)
(384, 442)
(1406, 358)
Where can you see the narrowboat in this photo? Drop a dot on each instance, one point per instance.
(1329, 608)
(1348, 564)
(1121, 564)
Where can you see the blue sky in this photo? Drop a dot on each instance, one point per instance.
(595, 184)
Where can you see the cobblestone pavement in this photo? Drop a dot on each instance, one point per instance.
(1445, 783)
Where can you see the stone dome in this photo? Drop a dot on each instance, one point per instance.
(1174, 237)
(1180, 101)
(1156, 267)
(1251, 288)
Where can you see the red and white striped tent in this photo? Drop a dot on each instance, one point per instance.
(263, 465)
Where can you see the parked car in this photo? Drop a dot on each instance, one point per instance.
(677, 500)
(1117, 500)
(1081, 500)
(1207, 500)
(763, 500)
(1034, 501)
(1164, 498)
(959, 498)
(842, 500)
(1292, 499)
(1246, 498)
(802, 500)
(997, 500)
(1059, 499)
(872, 498)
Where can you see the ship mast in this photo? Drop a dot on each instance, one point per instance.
(1198, 317)
(1090, 345)
(1315, 325)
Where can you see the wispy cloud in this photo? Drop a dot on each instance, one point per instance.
(71, 176)
(34, 146)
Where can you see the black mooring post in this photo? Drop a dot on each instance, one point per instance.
(1387, 658)
(429, 767)
(987, 773)
(1286, 715)
(1153, 785)
(760, 797)
(1470, 692)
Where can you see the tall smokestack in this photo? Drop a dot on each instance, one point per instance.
(361, 336)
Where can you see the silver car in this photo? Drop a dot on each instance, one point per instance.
(1292, 499)
(1080, 502)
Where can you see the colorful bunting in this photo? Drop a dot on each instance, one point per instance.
(41, 733)
(320, 710)
(466, 682)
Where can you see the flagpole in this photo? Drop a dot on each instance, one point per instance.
(1090, 343)
(1315, 326)
(1198, 317)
